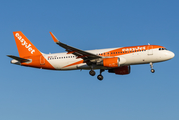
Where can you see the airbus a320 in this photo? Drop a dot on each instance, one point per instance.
(114, 60)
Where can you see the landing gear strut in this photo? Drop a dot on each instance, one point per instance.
(100, 77)
(151, 65)
(92, 72)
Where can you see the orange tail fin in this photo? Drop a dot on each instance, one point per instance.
(24, 46)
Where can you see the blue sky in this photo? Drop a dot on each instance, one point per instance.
(33, 94)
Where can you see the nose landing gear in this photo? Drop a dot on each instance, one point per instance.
(151, 65)
(152, 70)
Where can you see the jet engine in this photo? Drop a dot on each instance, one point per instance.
(111, 62)
(114, 62)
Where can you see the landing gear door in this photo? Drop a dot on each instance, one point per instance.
(42, 60)
(150, 50)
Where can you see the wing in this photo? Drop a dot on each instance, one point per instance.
(71, 50)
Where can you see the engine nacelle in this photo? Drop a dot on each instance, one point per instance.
(124, 70)
(111, 62)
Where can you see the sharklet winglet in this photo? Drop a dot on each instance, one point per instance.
(54, 38)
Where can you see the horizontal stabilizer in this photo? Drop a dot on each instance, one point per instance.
(18, 58)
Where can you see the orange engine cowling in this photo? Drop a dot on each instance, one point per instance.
(111, 62)
(124, 70)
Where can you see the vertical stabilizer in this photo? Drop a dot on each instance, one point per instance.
(24, 46)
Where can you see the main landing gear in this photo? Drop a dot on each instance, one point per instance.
(151, 65)
(92, 73)
(100, 77)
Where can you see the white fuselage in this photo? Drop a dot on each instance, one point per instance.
(64, 61)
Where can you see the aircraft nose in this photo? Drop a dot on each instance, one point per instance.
(170, 55)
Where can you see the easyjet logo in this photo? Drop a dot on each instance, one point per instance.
(24, 43)
(133, 49)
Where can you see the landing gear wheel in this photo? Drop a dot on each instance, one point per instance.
(152, 70)
(100, 77)
(92, 73)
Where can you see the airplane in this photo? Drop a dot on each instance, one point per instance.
(115, 60)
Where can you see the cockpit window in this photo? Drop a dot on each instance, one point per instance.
(162, 49)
